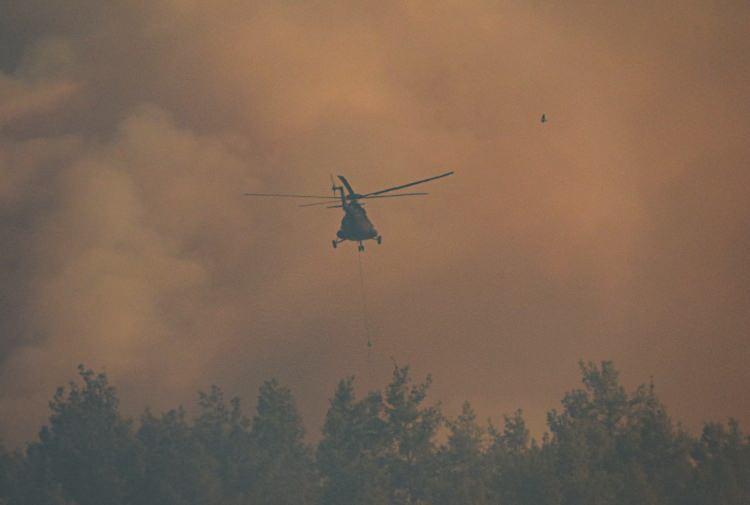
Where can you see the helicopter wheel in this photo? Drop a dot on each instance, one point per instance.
(379, 239)
(361, 248)
(335, 244)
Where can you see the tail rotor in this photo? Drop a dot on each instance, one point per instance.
(334, 188)
(340, 189)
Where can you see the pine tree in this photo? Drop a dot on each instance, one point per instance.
(461, 475)
(87, 454)
(9, 475)
(224, 433)
(411, 429)
(722, 466)
(179, 469)
(521, 471)
(284, 471)
(351, 456)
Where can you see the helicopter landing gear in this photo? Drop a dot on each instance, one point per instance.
(361, 247)
(379, 239)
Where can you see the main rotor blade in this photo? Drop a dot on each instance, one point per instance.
(285, 195)
(391, 196)
(407, 185)
(315, 203)
(361, 198)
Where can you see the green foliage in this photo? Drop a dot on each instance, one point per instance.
(352, 455)
(10, 466)
(283, 467)
(521, 471)
(179, 468)
(223, 434)
(411, 429)
(605, 446)
(379, 450)
(87, 454)
(722, 456)
(611, 447)
(461, 470)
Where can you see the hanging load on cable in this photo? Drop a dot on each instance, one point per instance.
(355, 225)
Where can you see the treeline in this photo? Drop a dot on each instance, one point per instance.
(604, 446)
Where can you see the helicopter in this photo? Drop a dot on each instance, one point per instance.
(355, 226)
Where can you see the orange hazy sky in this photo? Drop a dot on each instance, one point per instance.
(620, 229)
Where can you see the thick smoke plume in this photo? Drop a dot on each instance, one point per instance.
(617, 230)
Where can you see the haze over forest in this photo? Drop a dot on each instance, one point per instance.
(616, 230)
(393, 446)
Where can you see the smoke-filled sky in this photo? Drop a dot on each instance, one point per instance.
(618, 230)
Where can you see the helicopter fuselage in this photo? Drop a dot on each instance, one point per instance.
(355, 225)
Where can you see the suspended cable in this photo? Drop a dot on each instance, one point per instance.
(365, 315)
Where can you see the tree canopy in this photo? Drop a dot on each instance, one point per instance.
(604, 445)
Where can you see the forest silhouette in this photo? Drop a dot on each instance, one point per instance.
(605, 445)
